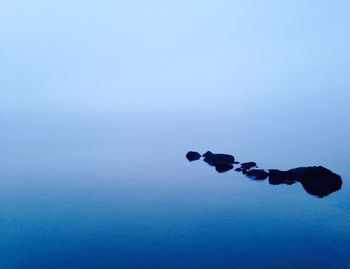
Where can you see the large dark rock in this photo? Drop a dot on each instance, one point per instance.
(320, 181)
(220, 157)
(257, 174)
(316, 180)
(193, 156)
(298, 172)
(277, 177)
(221, 162)
(223, 167)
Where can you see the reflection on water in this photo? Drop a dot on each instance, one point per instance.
(316, 180)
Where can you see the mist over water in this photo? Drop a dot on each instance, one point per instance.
(100, 102)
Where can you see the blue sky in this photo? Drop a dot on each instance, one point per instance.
(265, 80)
(169, 56)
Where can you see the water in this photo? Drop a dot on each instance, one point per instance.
(100, 102)
(121, 194)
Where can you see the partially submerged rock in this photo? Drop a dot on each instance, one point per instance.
(220, 157)
(320, 181)
(193, 156)
(257, 174)
(316, 180)
(248, 165)
(223, 167)
(222, 162)
(277, 177)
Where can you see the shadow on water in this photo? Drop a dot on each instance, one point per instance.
(316, 180)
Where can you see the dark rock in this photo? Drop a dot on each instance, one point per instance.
(298, 172)
(226, 157)
(320, 181)
(193, 156)
(248, 165)
(223, 167)
(316, 180)
(277, 177)
(244, 171)
(222, 162)
(257, 174)
(211, 160)
(220, 157)
(207, 154)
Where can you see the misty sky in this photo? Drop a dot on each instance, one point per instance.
(171, 56)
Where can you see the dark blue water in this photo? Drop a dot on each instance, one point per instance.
(114, 192)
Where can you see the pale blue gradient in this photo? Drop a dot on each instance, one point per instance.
(100, 101)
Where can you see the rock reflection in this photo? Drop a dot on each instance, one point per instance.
(316, 180)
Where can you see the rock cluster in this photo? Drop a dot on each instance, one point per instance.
(316, 180)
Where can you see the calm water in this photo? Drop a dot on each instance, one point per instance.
(101, 100)
(117, 193)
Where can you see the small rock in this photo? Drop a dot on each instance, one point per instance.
(193, 156)
(244, 171)
(258, 174)
(248, 165)
(222, 162)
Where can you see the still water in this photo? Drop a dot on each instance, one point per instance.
(118, 192)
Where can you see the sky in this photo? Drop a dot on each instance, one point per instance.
(105, 57)
(271, 75)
